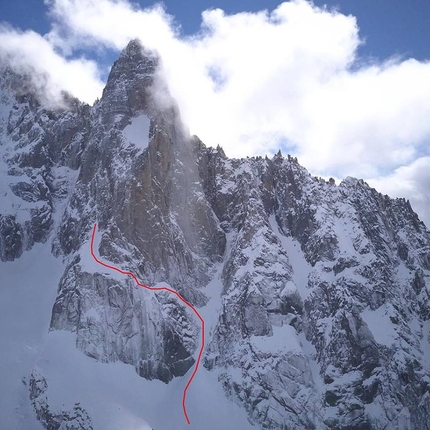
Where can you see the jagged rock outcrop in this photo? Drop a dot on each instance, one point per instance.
(356, 272)
(75, 419)
(324, 319)
(39, 151)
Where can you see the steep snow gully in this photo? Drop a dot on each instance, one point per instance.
(170, 291)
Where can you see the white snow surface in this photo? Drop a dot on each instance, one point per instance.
(28, 289)
(296, 257)
(117, 398)
(137, 132)
(283, 339)
(380, 325)
(113, 394)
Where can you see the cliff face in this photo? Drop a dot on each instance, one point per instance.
(137, 170)
(325, 302)
(320, 316)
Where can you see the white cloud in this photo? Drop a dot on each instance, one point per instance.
(112, 22)
(411, 182)
(30, 53)
(369, 121)
(254, 81)
(267, 62)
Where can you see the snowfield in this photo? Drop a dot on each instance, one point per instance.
(113, 394)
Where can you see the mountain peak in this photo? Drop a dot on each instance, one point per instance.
(128, 87)
(135, 48)
(134, 62)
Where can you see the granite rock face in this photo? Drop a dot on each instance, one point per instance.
(324, 289)
(332, 270)
(134, 184)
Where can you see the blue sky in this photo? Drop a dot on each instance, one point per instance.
(390, 27)
(346, 87)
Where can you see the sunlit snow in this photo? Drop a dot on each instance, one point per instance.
(137, 132)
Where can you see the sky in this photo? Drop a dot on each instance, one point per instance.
(343, 85)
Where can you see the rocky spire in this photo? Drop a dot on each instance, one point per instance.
(128, 87)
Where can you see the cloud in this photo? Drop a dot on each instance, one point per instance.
(31, 54)
(411, 182)
(239, 81)
(110, 22)
(253, 82)
(368, 122)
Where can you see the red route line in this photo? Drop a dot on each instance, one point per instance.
(184, 396)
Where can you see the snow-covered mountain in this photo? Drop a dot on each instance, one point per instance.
(315, 296)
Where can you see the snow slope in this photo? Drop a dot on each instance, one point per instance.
(112, 393)
(28, 288)
(117, 398)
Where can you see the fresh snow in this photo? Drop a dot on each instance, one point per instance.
(210, 313)
(380, 325)
(112, 393)
(117, 398)
(137, 132)
(345, 234)
(28, 289)
(301, 268)
(283, 339)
